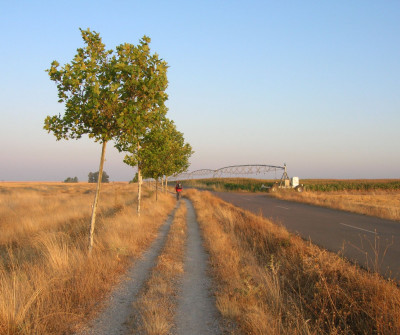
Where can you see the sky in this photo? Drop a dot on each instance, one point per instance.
(313, 84)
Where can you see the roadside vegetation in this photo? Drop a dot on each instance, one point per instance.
(379, 203)
(271, 282)
(48, 284)
(380, 197)
(158, 299)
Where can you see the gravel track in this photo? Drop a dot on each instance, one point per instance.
(114, 319)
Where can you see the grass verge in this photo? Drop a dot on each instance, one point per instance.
(271, 282)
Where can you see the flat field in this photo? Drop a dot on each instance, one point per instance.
(265, 280)
(49, 285)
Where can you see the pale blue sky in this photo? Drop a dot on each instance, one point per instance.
(315, 84)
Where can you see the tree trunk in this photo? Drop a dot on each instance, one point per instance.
(162, 183)
(157, 189)
(139, 190)
(166, 184)
(96, 197)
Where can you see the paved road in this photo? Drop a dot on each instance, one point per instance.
(354, 234)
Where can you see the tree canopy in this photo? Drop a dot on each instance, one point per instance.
(93, 177)
(89, 91)
(143, 80)
(164, 151)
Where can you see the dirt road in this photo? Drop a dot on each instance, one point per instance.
(196, 312)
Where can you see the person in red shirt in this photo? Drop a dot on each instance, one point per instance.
(178, 189)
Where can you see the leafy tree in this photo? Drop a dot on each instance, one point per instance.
(109, 96)
(88, 88)
(177, 155)
(71, 180)
(143, 81)
(93, 177)
(164, 152)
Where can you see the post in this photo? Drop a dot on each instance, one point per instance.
(139, 189)
(156, 189)
(139, 174)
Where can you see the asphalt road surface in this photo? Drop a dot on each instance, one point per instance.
(368, 241)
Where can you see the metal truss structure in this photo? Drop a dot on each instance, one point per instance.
(231, 171)
(202, 173)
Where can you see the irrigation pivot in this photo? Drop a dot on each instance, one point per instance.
(239, 170)
(247, 170)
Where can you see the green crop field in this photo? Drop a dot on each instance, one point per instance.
(321, 185)
(351, 184)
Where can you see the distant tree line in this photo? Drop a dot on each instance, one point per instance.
(71, 180)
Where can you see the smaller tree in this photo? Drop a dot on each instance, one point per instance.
(164, 152)
(143, 81)
(93, 177)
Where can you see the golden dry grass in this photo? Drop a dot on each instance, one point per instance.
(157, 302)
(379, 203)
(48, 284)
(270, 282)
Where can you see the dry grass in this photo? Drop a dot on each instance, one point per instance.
(157, 302)
(379, 203)
(270, 282)
(48, 284)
